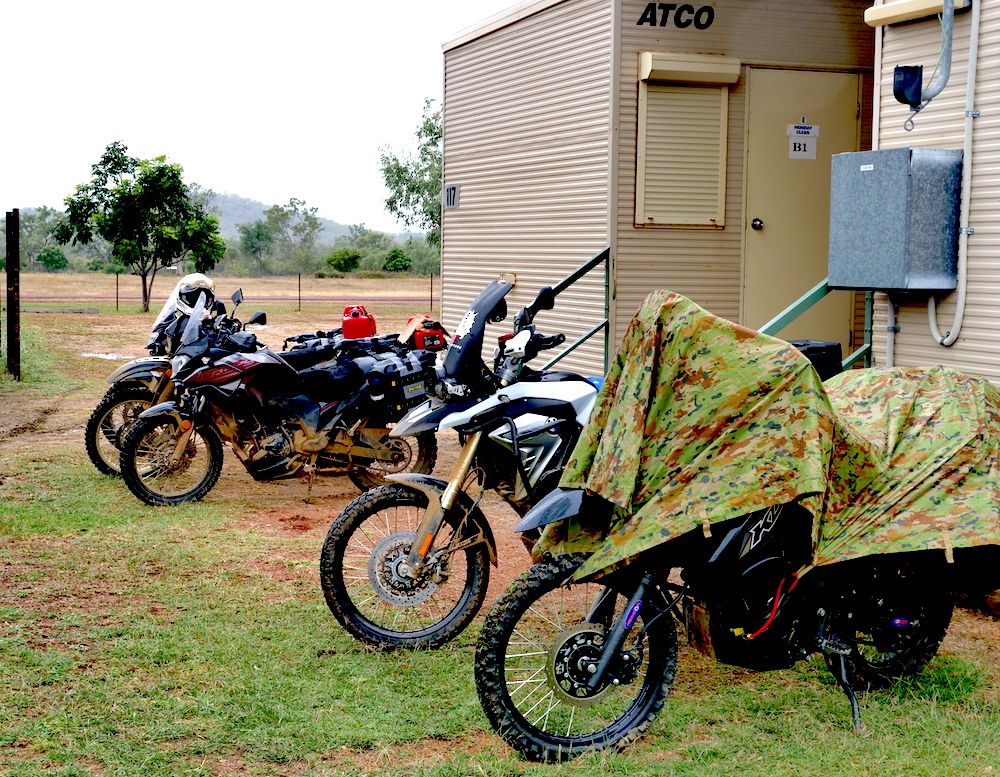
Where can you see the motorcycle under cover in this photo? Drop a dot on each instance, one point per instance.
(701, 420)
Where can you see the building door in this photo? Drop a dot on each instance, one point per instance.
(797, 120)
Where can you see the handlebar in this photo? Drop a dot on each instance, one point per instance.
(544, 342)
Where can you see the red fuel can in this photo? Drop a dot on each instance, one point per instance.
(357, 323)
(425, 333)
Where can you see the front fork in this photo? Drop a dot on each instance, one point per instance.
(619, 630)
(164, 388)
(186, 426)
(433, 517)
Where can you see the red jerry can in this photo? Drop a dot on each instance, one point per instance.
(427, 334)
(357, 323)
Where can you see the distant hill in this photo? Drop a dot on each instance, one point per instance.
(233, 209)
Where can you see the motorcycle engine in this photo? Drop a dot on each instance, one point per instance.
(740, 611)
(271, 458)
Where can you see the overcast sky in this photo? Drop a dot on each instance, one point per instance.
(264, 100)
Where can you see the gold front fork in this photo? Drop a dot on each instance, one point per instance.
(436, 511)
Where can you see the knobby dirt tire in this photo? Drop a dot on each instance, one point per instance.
(380, 608)
(107, 425)
(515, 658)
(421, 457)
(145, 472)
(894, 617)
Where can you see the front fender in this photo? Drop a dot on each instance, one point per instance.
(147, 370)
(171, 409)
(434, 487)
(557, 505)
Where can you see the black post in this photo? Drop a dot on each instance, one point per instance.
(300, 291)
(14, 293)
(116, 291)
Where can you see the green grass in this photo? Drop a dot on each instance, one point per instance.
(142, 641)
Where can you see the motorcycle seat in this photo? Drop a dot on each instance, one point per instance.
(302, 359)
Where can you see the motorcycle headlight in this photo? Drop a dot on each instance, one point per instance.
(178, 363)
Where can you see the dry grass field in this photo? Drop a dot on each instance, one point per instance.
(124, 293)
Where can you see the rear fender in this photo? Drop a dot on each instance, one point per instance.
(434, 488)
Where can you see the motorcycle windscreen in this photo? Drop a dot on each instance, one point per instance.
(465, 351)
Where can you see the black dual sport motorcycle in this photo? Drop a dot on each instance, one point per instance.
(563, 668)
(407, 564)
(323, 408)
(141, 383)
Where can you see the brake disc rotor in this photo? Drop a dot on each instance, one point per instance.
(572, 661)
(383, 572)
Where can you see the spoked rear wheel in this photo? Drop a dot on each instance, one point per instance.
(107, 425)
(400, 454)
(366, 590)
(893, 615)
(536, 654)
(154, 478)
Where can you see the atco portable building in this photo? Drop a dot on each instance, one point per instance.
(693, 140)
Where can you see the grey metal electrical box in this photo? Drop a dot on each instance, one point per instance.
(894, 219)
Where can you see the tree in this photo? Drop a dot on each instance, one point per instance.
(425, 257)
(52, 258)
(36, 233)
(344, 259)
(414, 182)
(370, 244)
(396, 261)
(295, 228)
(256, 240)
(144, 209)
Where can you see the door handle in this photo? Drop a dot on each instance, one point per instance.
(756, 224)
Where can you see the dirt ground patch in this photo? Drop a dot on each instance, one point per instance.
(89, 347)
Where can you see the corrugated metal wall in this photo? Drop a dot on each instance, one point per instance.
(526, 136)
(940, 125)
(706, 264)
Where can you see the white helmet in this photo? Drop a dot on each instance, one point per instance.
(190, 288)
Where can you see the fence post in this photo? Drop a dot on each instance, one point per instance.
(14, 293)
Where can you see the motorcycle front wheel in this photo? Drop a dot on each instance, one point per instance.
(109, 422)
(407, 454)
(893, 615)
(537, 651)
(147, 469)
(359, 573)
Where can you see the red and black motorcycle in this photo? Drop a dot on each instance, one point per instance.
(321, 410)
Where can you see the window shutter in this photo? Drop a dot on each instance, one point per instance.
(681, 164)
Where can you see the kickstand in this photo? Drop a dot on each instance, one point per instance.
(310, 476)
(844, 683)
